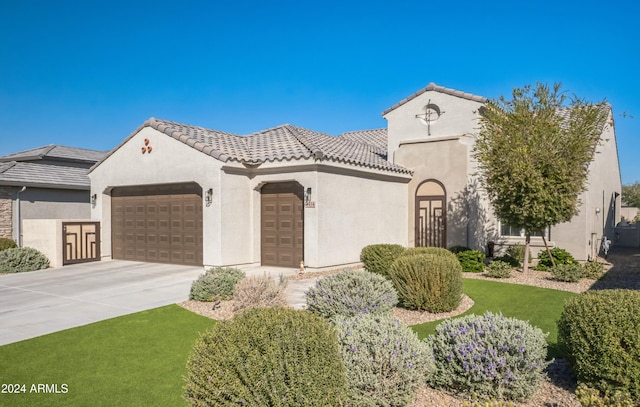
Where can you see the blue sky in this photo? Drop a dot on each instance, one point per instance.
(88, 73)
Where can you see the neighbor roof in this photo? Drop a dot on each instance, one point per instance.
(58, 153)
(43, 175)
(433, 87)
(281, 143)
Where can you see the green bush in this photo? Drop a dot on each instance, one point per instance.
(429, 282)
(6, 243)
(259, 291)
(20, 259)
(499, 269)
(599, 332)
(267, 357)
(567, 272)
(216, 283)
(351, 293)
(377, 258)
(590, 397)
(517, 252)
(457, 249)
(593, 270)
(510, 260)
(560, 256)
(384, 359)
(472, 261)
(488, 356)
(438, 251)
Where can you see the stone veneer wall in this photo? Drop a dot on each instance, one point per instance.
(6, 213)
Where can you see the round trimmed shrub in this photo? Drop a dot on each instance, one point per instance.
(499, 269)
(6, 243)
(599, 332)
(560, 256)
(570, 273)
(384, 359)
(490, 356)
(216, 283)
(377, 258)
(472, 261)
(351, 293)
(438, 251)
(21, 259)
(429, 282)
(267, 357)
(510, 260)
(593, 270)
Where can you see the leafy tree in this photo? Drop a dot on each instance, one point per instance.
(631, 195)
(534, 152)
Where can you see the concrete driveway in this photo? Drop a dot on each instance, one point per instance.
(45, 301)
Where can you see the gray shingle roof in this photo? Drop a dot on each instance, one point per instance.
(58, 153)
(43, 175)
(432, 86)
(281, 143)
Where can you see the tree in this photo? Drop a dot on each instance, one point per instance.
(533, 154)
(631, 195)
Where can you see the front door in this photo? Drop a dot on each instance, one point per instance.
(430, 215)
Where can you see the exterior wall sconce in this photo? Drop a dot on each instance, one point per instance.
(308, 203)
(208, 197)
(94, 198)
(597, 211)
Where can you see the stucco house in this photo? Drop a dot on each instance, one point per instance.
(48, 182)
(177, 193)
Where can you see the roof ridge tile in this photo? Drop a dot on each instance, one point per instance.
(432, 86)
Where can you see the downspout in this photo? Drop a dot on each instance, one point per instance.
(19, 228)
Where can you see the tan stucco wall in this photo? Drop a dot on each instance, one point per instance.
(44, 235)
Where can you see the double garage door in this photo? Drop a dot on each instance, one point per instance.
(161, 224)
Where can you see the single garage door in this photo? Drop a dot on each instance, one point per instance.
(160, 223)
(282, 225)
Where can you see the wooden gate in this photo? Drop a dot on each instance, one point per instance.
(80, 242)
(430, 215)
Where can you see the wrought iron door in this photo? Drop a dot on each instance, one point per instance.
(81, 242)
(430, 221)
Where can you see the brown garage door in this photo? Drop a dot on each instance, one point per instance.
(161, 224)
(282, 224)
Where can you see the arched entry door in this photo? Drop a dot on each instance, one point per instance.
(282, 224)
(430, 214)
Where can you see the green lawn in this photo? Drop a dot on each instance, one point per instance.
(134, 360)
(139, 359)
(540, 306)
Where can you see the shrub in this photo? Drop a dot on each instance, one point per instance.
(428, 282)
(457, 249)
(384, 359)
(259, 291)
(599, 331)
(351, 293)
(438, 251)
(267, 357)
(510, 260)
(499, 269)
(377, 258)
(590, 397)
(488, 356)
(215, 284)
(593, 270)
(20, 259)
(6, 243)
(517, 252)
(567, 272)
(472, 261)
(560, 256)
(490, 403)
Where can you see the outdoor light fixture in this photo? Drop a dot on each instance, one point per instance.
(307, 195)
(597, 210)
(208, 198)
(94, 197)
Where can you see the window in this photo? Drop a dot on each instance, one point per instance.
(508, 230)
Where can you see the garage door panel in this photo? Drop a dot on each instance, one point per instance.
(158, 224)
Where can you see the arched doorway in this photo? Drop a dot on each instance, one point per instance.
(430, 214)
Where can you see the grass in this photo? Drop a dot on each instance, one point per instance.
(540, 306)
(140, 359)
(134, 360)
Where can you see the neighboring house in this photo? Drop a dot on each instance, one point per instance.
(48, 182)
(177, 193)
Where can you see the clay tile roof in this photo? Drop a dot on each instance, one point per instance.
(433, 87)
(285, 142)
